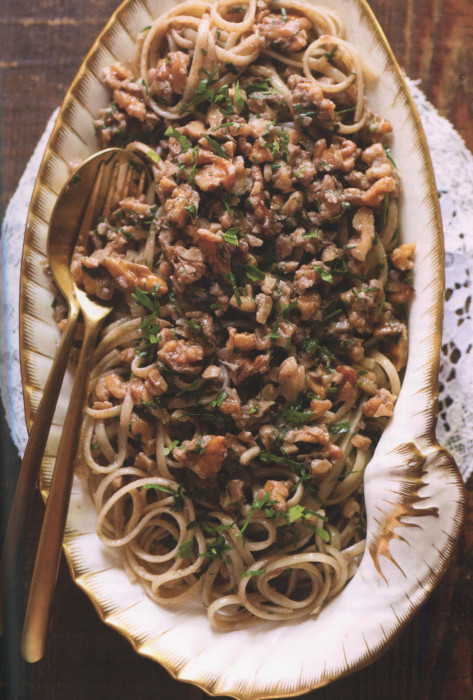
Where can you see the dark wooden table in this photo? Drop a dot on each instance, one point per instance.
(41, 47)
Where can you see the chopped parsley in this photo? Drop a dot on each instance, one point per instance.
(231, 67)
(231, 277)
(216, 146)
(167, 450)
(217, 549)
(230, 236)
(186, 549)
(387, 150)
(183, 141)
(311, 234)
(220, 398)
(255, 572)
(192, 209)
(239, 101)
(296, 417)
(264, 505)
(264, 88)
(331, 55)
(325, 274)
(253, 273)
(154, 156)
(178, 496)
(340, 428)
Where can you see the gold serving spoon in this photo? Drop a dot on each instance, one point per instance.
(96, 187)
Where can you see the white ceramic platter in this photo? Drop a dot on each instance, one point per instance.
(413, 490)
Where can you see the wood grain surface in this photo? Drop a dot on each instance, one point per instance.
(42, 45)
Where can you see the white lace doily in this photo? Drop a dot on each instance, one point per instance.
(453, 166)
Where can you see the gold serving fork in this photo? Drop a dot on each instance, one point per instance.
(98, 186)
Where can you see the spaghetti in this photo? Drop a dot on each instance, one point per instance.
(253, 358)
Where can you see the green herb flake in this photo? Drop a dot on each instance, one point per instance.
(183, 141)
(186, 549)
(296, 417)
(381, 306)
(153, 156)
(217, 548)
(239, 101)
(253, 273)
(325, 274)
(217, 402)
(285, 143)
(230, 276)
(192, 209)
(323, 534)
(255, 572)
(387, 150)
(231, 67)
(231, 236)
(295, 513)
(216, 146)
(340, 428)
(167, 450)
(331, 55)
(144, 299)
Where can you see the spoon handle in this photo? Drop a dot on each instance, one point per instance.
(48, 556)
(33, 456)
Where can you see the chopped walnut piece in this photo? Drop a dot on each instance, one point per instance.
(361, 442)
(231, 405)
(320, 407)
(360, 245)
(170, 76)
(183, 199)
(308, 304)
(139, 392)
(314, 434)
(204, 455)
(382, 404)
(309, 102)
(350, 508)
(182, 356)
(130, 275)
(291, 378)
(278, 491)
(155, 383)
(264, 304)
(288, 33)
(320, 468)
(402, 256)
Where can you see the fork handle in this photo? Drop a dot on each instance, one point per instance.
(48, 556)
(33, 456)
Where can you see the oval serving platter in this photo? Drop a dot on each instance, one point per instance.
(413, 489)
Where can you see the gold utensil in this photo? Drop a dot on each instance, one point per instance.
(99, 184)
